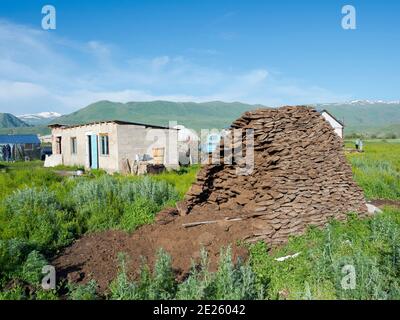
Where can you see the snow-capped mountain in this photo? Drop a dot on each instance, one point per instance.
(41, 118)
(367, 117)
(361, 103)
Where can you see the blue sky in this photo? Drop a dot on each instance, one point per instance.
(268, 52)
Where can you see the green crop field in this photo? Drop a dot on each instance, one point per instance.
(42, 212)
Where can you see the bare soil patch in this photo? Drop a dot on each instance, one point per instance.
(95, 256)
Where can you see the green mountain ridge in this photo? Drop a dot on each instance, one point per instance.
(368, 118)
(7, 120)
(372, 114)
(215, 114)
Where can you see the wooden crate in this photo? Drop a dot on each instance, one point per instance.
(158, 155)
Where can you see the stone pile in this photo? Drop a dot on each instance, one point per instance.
(300, 176)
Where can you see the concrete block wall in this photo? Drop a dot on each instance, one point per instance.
(81, 158)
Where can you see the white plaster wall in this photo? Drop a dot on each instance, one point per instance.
(337, 127)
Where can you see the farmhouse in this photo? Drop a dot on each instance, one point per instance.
(335, 123)
(19, 147)
(114, 146)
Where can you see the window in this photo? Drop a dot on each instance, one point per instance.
(104, 145)
(74, 149)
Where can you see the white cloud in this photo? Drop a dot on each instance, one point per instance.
(159, 62)
(20, 90)
(254, 77)
(42, 72)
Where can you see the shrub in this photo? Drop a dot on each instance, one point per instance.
(138, 213)
(32, 268)
(163, 284)
(12, 255)
(46, 295)
(229, 282)
(109, 202)
(195, 287)
(390, 136)
(96, 192)
(159, 285)
(35, 216)
(16, 293)
(160, 192)
(121, 288)
(18, 262)
(83, 292)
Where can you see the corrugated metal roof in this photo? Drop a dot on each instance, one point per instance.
(19, 138)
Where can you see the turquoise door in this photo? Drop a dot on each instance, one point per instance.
(94, 152)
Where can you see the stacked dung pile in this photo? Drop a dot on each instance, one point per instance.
(300, 176)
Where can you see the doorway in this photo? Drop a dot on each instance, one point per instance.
(58, 145)
(93, 151)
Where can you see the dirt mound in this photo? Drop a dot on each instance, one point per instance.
(95, 256)
(299, 177)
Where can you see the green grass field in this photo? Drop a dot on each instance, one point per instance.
(41, 212)
(377, 170)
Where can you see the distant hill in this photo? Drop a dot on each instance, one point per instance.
(367, 117)
(37, 119)
(214, 114)
(7, 120)
(378, 118)
(362, 116)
